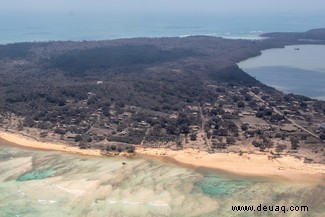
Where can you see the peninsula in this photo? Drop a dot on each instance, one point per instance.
(161, 96)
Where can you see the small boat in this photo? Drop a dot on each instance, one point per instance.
(297, 48)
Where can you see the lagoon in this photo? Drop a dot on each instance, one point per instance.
(48, 183)
(298, 69)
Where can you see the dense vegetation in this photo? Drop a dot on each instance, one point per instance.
(79, 62)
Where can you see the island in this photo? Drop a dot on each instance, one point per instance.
(183, 98)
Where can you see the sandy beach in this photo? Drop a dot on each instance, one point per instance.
(28, 142)
(287, 167)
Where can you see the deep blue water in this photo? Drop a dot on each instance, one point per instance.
(19, 27)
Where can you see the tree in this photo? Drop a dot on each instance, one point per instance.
(130, 148)
(241, 104)
(119, 148)
(322, 136)
(294, 143)
(78, 138)
(29, 122)
(244, 127)
(252, 104)
(230, 140)
(185, 129)
(256, 143)
(193, 136)
(209, 135)
(256, 91)
(268, 143)
(43, 134)
(259, 114)
(59, 130)
(303, 105)
(268, 112)
(171, 129)
(87, 138)
(248, 97)
(280, 148)
(20, 126)
(83, 145)
(221, 145)
(236, 98)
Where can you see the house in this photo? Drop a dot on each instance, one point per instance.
(194, 128)
(193, 108)
(96, 131)
(127, 114)
(247, 113)
(143, 124)
(71, 136)
(288, 128)
(123, 133)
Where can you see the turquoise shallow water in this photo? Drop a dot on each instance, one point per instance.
(214, 185)
(36, 174)
(43, 183)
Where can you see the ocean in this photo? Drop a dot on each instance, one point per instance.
(38, 26)
(48, 183)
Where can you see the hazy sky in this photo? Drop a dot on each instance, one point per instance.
(217, 6)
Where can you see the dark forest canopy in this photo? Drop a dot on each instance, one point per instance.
(141, 70)
(101, 58)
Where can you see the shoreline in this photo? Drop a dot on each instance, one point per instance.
(23, 141)
(284, 168)
(258, 165)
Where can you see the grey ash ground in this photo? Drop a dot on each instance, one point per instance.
(169, 92)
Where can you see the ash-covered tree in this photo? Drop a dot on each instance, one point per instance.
(294, 143)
